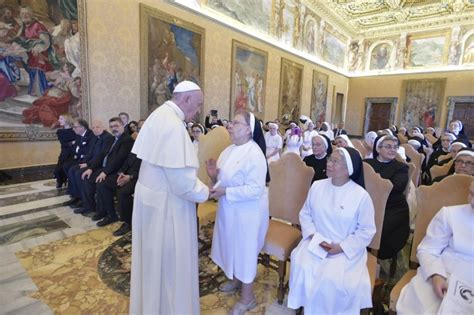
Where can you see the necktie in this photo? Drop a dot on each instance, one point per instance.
(104, 162)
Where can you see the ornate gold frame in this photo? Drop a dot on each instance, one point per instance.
(35, 133)
(147, 12)
(236, 44)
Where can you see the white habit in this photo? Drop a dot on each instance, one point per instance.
(242, 215)
(165, 272)
(272, 143)
(333, 284)
(446, 248)
(293, 144)
(307, 143)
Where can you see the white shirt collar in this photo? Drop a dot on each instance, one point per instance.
(175, 107)
(84, 133)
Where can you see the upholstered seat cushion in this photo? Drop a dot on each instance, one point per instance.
(281, 239)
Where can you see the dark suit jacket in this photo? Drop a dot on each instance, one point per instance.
(116, 157)
(343, 132)
(131, 166)
(100, 146)
(83, 145)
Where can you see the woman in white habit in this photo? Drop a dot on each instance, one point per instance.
(306, 147)
(445, 250)
(329, 267)
(239, 178)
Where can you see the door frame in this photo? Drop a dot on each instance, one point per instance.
(452, 100)
(391, 101)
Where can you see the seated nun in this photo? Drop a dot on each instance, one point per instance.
(274, 143)
(294, 141)
(322, 149)
(306, 147)
(456, 146)
(368, 143)
(396, 225)
(197, 130)
(242, 216)
(329, 266)
(463, 164)
(445, 148)
(342, 141)
(445, 251)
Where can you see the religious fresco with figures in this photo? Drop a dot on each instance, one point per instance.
(40, 67)
(402, 29)
(172, 50)
(248, 77)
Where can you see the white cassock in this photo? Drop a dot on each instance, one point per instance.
(446, 248)
(272, 143)
(242, 215)
(307, 143)
(293, 144)
(165, 276)
(333, 284)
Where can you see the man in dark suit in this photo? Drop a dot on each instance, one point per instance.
(124, 184)
(105, 165)
(339, 130)
(102, 141)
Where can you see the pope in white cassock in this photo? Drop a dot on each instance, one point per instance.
(445, 250)
(329, 267)
(242, 216)
(165, 277)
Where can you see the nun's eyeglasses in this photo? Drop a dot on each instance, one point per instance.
(464, 163)
(390, 147)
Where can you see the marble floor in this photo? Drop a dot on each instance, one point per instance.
(55, 261)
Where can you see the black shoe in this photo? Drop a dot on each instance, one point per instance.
(98, 216)
(80, 210)
(76, 205)
(106, 221)
(122, 230)
(72, 201)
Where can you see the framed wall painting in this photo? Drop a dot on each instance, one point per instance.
(427, 50)
(36, 88)
(291, 86)
(171, 50)
(248, 79)
(319, 94)
(334, 49)
(422, 102)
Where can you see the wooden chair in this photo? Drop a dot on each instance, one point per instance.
(403, 139)
(430, 138)
(439, 170)
(411, 173)
(444, 157)
(210, 146)
(360, 147)
(379, 189)
(430, 200)
(286, 198)
(416, 158)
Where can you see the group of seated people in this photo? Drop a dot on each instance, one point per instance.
(98, 167)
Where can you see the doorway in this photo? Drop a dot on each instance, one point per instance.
(379, 113)
(462, 108)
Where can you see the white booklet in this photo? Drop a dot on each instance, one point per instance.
(460, 297)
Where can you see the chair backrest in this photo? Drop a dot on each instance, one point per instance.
(451, 191)
(439, 170)
(289, 186)
(210, 146)
(444, 157)
(428, 152)
(403, 139)
(379, 189)
(430, 138)
(360, 147)
(416, 158)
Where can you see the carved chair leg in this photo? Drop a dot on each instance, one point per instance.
(281, 285)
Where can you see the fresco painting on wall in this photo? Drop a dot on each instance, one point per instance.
(249, 12)
(319, 95)
(291, 86)
(334, 50)
(310, 36)
(40, 68)
(427, 51)
(249, 77)
(422, 102)
(468, 54)
(380, 56)
(172, 51)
